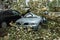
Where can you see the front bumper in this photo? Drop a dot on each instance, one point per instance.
(30, 26)
(12, 24)
(34, 27)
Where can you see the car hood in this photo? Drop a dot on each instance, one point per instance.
(30, 20)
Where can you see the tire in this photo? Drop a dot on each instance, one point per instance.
(3, 24)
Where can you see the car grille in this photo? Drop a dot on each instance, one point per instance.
(29, 23)
(32, 23)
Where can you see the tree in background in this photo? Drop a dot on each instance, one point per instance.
(36, 6)
(19, 5)
(6, 4)
(54, 5)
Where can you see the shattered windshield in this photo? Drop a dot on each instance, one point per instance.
(30, 16)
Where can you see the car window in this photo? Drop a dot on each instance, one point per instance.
(15, 12)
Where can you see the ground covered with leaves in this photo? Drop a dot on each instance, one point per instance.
(48, 31)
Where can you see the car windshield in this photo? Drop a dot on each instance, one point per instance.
(29, 16)
(15, 12)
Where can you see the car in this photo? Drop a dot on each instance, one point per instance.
(31, 20)
(7, 16)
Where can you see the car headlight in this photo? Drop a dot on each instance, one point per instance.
(18, 24)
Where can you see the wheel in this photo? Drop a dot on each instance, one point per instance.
(3, 24)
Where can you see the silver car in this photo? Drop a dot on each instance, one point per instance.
(30, 20)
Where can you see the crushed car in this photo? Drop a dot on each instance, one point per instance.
(31, 20)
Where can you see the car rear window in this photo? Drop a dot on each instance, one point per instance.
(15, 12)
